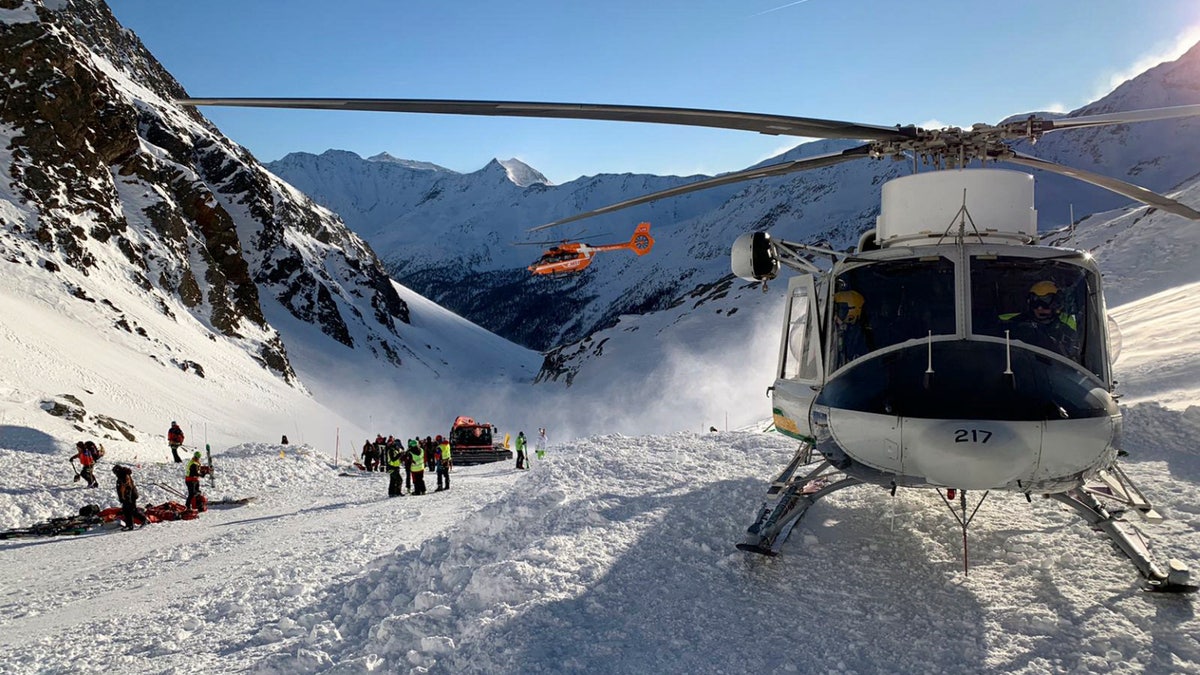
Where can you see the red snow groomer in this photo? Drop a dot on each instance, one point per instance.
(471, 443)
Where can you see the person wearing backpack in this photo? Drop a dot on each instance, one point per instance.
(174, 440)
(87, 454)
(127, 494)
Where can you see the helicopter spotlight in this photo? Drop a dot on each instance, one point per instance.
(950, 350)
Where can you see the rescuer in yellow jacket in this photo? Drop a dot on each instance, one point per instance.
(443, 467)
(418, 467)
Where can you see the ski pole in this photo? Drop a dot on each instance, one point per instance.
(170, 489)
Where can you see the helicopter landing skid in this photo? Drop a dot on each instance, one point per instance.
(773, 524)
(1130, 541)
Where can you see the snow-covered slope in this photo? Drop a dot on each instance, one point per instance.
(614, 554)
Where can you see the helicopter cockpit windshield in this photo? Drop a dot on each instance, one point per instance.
(1044, 303)
(888, 302)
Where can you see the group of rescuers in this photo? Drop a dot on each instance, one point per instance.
(406, 463)
(87, 454)
(384, 455)
(394, 456)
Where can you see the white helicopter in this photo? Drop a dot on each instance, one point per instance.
(950, 349)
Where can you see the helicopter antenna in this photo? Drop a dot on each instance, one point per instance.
(963, 216)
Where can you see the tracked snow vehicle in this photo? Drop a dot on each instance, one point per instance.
(471, 442)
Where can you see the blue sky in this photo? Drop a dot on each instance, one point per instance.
(872, 61)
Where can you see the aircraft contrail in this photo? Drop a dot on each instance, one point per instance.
(776, 9)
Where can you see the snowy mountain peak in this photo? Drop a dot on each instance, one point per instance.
(409, 163)
(521, 173)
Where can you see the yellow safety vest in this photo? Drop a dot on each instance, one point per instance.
(445, 451)
(418, 460)
(187, 475)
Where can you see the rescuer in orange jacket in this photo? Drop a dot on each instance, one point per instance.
(174, 440)
(87, 455)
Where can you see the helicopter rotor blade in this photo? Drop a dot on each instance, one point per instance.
(885, 140)
(735, 177)
(1120, 187)
(563, 240)
(1146, 115)
(774, 125)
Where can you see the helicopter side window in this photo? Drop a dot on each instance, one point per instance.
(801, 360)
(886, 303)
(1045, 303)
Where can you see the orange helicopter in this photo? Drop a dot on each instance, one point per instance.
(573, 256)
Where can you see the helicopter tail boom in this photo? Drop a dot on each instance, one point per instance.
(640, 243)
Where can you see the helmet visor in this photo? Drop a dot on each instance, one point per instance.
(1043, 301)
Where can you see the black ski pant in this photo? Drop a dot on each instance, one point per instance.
(443, 475)
(193, 494)
(418, 478)
(89, 475)
(175, 453)
(520, 459)
(395, 483)
(129, 512)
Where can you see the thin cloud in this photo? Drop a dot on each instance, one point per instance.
(776, 9)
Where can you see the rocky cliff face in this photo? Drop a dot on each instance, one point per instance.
(103, 180)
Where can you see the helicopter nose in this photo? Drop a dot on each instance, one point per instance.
(975, 456)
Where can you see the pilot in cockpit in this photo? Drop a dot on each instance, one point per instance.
(852, 337)
(1043, 323)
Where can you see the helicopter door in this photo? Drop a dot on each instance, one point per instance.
(801, 366)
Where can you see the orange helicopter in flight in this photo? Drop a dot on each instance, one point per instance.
(573, 256)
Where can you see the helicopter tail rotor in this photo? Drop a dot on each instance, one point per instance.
(641, 242)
